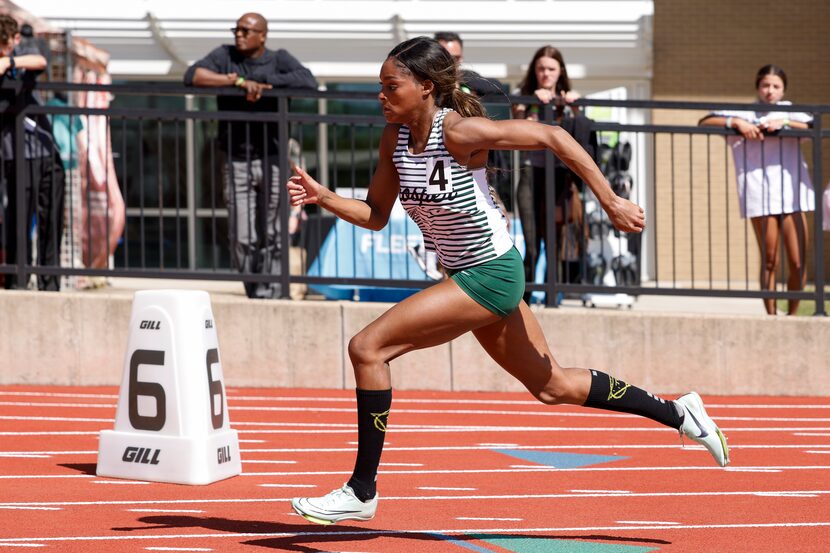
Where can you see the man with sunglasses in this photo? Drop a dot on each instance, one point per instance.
(250, 148)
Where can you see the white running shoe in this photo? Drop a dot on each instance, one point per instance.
(701, 428)
(341, 504)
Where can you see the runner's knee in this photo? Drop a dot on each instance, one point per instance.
(552, 394)
(561, 387)
(363, 350)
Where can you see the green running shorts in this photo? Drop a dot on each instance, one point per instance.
(498, 285)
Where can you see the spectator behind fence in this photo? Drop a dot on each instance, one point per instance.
(498, 161)
(250, 148)
(44, 182)
(547, 79)
(774, 188)
(469, 81)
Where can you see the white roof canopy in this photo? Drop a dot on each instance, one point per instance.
(603, 41)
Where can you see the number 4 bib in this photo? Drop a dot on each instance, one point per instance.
(439, 175)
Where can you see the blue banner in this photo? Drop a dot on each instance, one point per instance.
(396, 252)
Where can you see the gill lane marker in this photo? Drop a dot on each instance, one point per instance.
(171, 424)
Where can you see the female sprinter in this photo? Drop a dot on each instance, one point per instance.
(432, 155)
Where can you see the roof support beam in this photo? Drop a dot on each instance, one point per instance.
(178, 64)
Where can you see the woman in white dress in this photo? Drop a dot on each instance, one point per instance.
(773, 180)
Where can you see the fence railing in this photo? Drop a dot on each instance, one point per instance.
(168, 166)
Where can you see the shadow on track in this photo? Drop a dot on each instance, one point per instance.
(311, 538)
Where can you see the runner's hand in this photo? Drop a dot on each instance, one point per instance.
(302, 189)
(626, 216)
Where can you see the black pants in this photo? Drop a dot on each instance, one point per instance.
(252, 192)
(531, 201)
(44, 198)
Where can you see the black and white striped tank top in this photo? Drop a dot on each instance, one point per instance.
(451, 204)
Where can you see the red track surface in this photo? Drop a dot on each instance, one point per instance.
(443, 485)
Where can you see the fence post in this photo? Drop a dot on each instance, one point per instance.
(818, 231)
(21, 178)
(285, 172)
(190, 181)
(551, 250)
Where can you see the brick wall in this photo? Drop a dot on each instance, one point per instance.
(710, 51)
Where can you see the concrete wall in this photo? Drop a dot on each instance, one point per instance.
(80, 339)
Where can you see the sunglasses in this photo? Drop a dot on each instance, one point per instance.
(244, 30)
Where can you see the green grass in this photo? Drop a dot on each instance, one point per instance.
(807, 307)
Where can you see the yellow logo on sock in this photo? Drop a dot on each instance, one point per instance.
(380, 420)
(617, 388)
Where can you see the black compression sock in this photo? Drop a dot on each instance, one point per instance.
(615, 395)
(372, 411)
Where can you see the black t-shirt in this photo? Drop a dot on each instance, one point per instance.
(25, 81)
(15, 94)
(277, 68)
(480, 86)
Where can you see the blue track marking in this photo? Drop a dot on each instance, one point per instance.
(524, 544)
(464, 543)
(560, 460)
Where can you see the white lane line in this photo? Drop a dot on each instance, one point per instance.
(649, 522)
(165, 511)
(267, 461)
(200, 501)
(288, 485)
(341, 428)
(489, 412)
(55, 419)
(543, 468)
(491, 519)
(531, 468)
(335, 428)
(12, 508)
(533, 447)
(233, 395)
(439, 489)
(293, 424)
(49, 404)
(21, 544)
(23, 456)
(178, 549)
(616, 492)
(327, 430)
(121, 482)
(752, 469)
(387, 447)
(92, 433)
(786, 494)
(322, 428)
(39, 476)
(451, 531)
(525, 402)
(50, 453)
(57, 394)
(456, 412)
(820, 451)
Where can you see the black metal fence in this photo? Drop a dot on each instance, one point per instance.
(167, 166)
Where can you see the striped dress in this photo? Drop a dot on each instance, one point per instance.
(451, 204)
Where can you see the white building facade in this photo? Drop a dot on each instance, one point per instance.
(606, 43)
